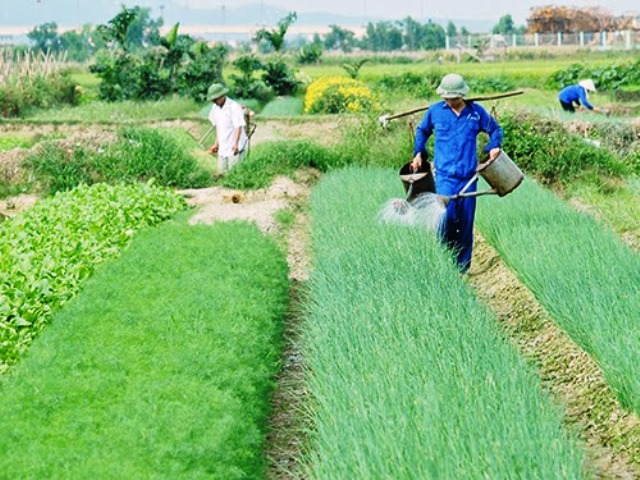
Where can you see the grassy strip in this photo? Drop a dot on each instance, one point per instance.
(283, 107)
(583, 275)
(613, 203)
(409, 374)
(47, 251)
(161, 368)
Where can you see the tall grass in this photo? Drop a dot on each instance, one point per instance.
(119, 112)
(139, 154)
(160, 368)
(581, 273)
(33, 80)
(409, 375)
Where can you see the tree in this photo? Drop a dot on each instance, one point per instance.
(77, 45)
(115, 30)
(339, 38)
(434, 36)
(382, 36)
(132, 29)
(275, 37)
(45, 37)
(504, 26)
(414, 34)
(144, 31)
(451, 30)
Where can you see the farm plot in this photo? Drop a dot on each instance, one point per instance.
(580, 272)
(50, 249)
(409, 375)
(161, 368)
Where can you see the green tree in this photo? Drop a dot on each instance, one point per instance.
(275, 37)
(339, 39)
(505, 25)
(414, 34)
(311, 53)
(45, 37)
(452, 32)
(132, 29)
(144, 31)
(434, 36)
(382, 37)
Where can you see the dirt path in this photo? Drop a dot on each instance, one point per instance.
(572, 376)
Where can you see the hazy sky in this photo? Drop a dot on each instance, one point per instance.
(447, 9)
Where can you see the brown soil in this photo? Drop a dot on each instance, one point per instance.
(328, 131)
(571, 375)
(10, 207)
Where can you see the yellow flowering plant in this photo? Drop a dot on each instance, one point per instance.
(338, 95)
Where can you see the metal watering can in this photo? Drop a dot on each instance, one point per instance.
(418, 182)
(502, 175)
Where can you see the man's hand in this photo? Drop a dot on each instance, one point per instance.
(214, 148)
(236, 150)
(493, 153)
(416, 163)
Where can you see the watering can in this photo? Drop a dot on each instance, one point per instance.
(417, 182)
(502, 175)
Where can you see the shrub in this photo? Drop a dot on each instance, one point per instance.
(140, 154)
(185, 66)
(610, 77)
(544, 148)
(245, 85)
(38, 91)
(279, 76)
(338, 95)
(416, 84)
(310, 53)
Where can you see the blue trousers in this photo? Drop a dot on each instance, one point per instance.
(457, 230)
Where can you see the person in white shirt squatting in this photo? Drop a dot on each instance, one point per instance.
(227, 116)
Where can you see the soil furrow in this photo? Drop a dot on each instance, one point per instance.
(572, 376)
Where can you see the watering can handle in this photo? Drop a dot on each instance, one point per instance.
(491, 191)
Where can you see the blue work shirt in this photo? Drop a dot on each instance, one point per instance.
(455, 144)
(574, 93)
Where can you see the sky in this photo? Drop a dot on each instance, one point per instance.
(451, 9)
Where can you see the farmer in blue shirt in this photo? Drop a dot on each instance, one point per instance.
(577, 94)
(456, 124)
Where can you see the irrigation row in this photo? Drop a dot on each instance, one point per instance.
(582, 273)
(573, 377)
(409, 376)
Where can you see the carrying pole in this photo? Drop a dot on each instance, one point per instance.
(384, 119)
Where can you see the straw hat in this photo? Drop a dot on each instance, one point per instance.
(588, 84)
(216, 90)
(452, 86)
